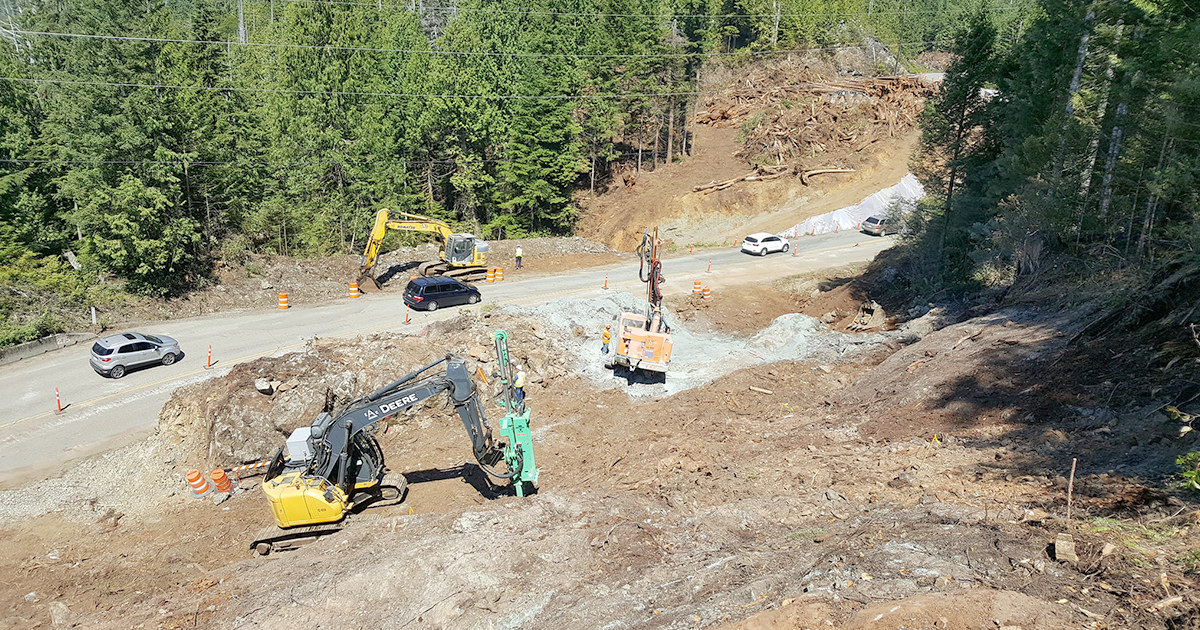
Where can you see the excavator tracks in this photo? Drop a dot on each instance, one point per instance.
(391, 492)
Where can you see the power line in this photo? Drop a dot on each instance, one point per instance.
(209, 88)
(164, 40)
(772, 15)
(402, 162)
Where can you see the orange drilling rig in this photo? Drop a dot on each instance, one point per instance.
(643, 340)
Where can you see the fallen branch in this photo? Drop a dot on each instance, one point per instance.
(761, 390)
(966, 338)
(804, 175)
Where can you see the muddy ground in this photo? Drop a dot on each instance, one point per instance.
(917, 483)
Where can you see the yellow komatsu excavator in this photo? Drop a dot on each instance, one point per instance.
(462, 256)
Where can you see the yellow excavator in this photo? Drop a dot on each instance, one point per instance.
(643, 341)
(334, 468)
(463, 256)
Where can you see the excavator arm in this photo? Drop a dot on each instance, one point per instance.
(403, 222)
(330, 437)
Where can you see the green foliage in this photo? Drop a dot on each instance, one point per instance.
(1089, 146)
(1189, 470)
(192, 138)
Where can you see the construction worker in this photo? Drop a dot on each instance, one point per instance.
(519, 252)
(519, 387)
(606, 336)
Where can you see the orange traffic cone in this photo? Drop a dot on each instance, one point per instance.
(196, 480)
(222, 481)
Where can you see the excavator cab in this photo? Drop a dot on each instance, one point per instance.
(464, 250)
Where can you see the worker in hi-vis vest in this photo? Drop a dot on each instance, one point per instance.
(606, 337)
(519, 254)
(519, 387)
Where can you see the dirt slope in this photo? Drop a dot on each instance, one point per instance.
(808, 506)
(664, 197)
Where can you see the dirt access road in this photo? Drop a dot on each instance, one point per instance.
(102, 414)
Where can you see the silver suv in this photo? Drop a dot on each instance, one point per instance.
(880, 226)
(116, 354)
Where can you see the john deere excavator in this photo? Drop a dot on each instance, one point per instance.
(329, 469)
(462, 256)
(643, 340)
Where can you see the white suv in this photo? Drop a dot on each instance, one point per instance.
(764, 243)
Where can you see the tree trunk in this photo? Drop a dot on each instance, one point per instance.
(670, 130)
(958, 140)
(657, 137)
(1114, 152)
(1070, 109)
(1085, 182)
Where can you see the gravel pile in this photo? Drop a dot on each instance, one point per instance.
(551, 247)
(109, 482)
(696, 358)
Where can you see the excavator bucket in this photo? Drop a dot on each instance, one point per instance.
(870, 315)
(367, 284)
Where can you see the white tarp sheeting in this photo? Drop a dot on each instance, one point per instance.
(909, 189)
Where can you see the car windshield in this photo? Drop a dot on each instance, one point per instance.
(751, 239)
(154, 339)
(101, 350)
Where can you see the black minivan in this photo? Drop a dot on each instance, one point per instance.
(432, 293)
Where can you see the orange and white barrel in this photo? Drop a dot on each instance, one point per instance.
(283, 301)
(696, 287)
(196, 480)
(707, 295)
(491, 277)
(354, 292)
(222, 481)
(499, 274)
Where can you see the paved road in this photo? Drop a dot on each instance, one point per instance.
(102, 413)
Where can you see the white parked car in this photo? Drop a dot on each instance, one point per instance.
(764, 243)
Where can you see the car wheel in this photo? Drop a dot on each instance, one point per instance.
(168, 358)
(432, 306)
(762, 252)
(474, 299)
(117, 372)
(786, 247)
